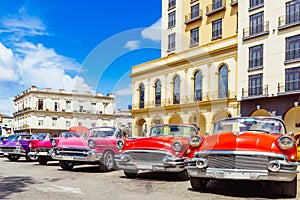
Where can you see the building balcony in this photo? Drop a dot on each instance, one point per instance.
(215, 7)
(289, 87)
(255, 92)
(188, 99)
(234, 3)
(192, 17)
(290, 20)
(256, 31)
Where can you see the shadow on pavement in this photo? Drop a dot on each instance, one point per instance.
(243, 189)
(158, 176)
(14, 184)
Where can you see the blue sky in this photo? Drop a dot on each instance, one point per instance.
(78, 44)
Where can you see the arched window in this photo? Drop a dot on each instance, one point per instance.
(223, 82)
(142, 96)
(176, 90)
(198, 86)
(157, 93)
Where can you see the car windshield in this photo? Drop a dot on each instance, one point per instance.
(102, 132)
(71, 134)
(39, 136)
(266, 125)
(24, 137)
(173, 130)
(12, 137)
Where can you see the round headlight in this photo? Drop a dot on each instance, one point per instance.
(120, 144)
(53, 142)
(30, 145)
(195, 141)
(286, 142)
(177, 146)
(91, 144)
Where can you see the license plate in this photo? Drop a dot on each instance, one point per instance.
(144, 166)
(43, 153)
(67, 158)
(237, 175)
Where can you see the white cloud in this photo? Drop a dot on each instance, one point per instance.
(153, 32)
(43, 67)
(124, 91)
(7, 64)
(6, 106)
(132, 45)
(22, 25)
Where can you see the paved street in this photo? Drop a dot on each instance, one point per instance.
(29, 180)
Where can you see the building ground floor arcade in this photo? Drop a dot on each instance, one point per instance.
(204, 115)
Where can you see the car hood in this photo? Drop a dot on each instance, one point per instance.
(72, 142)
(41, 143)
(156, 143)
(244, 141)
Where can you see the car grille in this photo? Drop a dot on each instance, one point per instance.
(8, 149)
(42, 149)
(71, 151)
(146, 156)
(231, 161)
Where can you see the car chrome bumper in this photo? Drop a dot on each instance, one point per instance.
(15, 152)
(42, 153)
(168, 165)
(91, 156)
(287, 174)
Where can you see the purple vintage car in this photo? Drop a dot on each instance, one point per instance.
(17, 147)
(5, 140)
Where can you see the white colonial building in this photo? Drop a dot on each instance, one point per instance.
(56, 111)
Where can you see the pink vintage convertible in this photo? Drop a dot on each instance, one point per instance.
(96, 147)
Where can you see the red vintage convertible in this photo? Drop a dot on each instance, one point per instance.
(96, 147)
(247, 148)
(165, 150)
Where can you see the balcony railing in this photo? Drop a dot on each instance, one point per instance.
(289, 86)
(292, 55)
(256, 63)
(194, 16)
(289, 20)
(255, 31)
(208, 96)
(234, 2)
(255, 91)
(216, 7)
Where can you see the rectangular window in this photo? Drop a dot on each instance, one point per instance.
(195, 11)
(68, 104)
(216, 4)
(40, 104)
(55, 106)
(217, 29)
(171, 42)
(172, 4)
(292, 79)
(194, 37)
(54, 122)
(172, 19)
(292, 48)
(40, 122)
(256, 57)
(293, 12)
(255, 3)
(255, 85)
(257, 23)
(68, 124)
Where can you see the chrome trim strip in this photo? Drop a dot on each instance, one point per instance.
(212, 152)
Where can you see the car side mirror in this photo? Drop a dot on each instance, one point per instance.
(291, 133)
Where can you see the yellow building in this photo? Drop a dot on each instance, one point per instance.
(195, 80)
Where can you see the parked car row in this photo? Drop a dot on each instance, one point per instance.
(242, 148)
